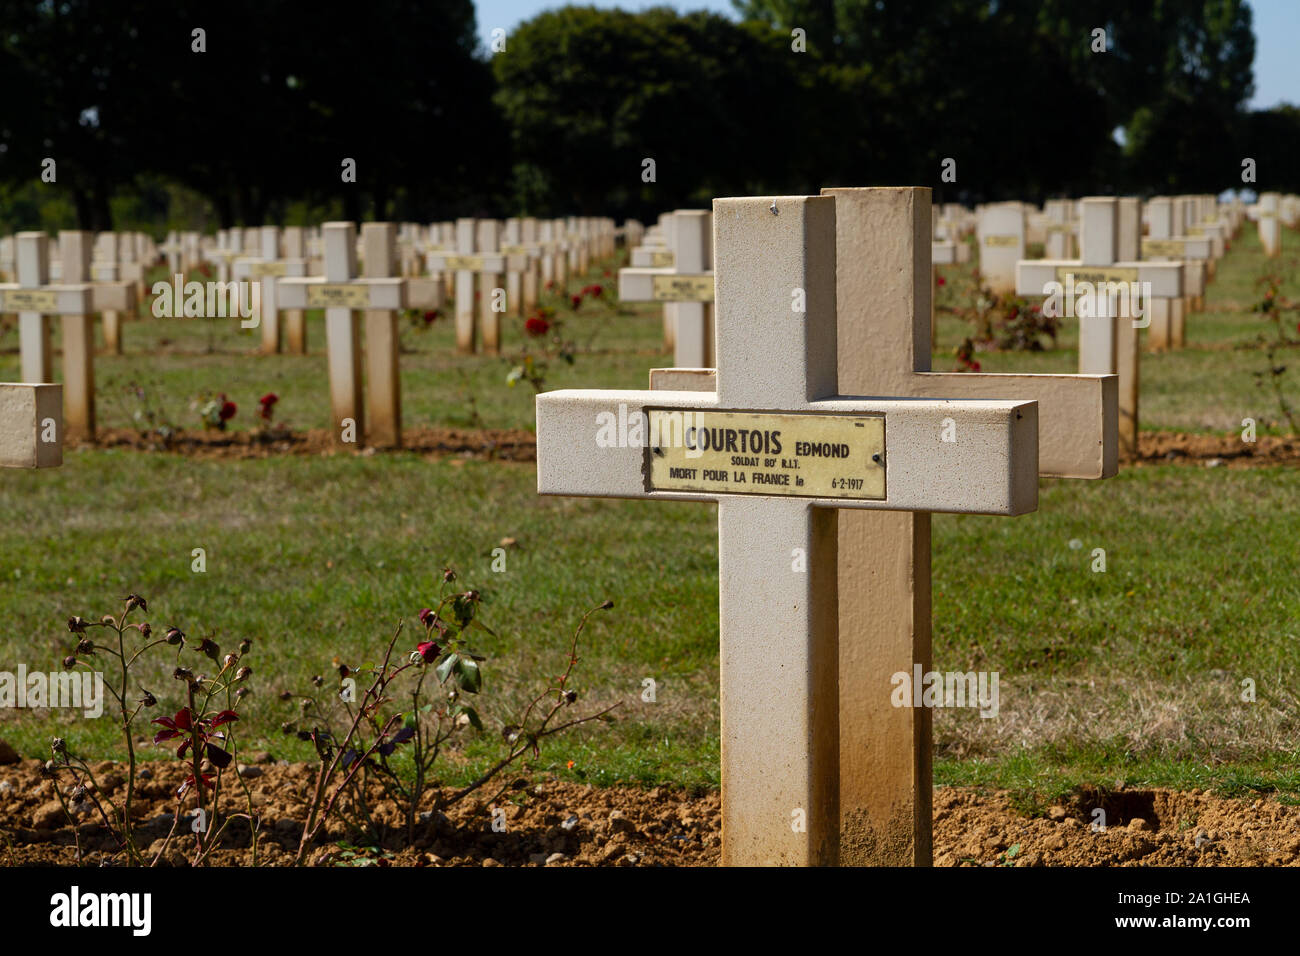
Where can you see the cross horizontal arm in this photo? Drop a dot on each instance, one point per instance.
(296, 293)
(975, 457)
(46, 299)
(112, 297)
(1078, 414)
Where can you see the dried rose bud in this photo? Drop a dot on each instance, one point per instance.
(108, 619)
(183, 673)
(79, 791)
(48, 768)
(448, 574)
(607, 605)
(209, 647)
(174, 636)
(318, 681)
(86, 647)
(244, 673)
(570, 696)
(242, 693)
(59, 745)
(285, 695)
(287, 728)
(134, 601)
(69, 662)
(77, 625)
(304, 705)
(344, 671)
(145, 629)
(149, 700)
(229, 661)
(453, 694)
(245, 646)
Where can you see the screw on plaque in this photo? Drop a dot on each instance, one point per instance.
(878, 458)
(658, 451)
(773, 208)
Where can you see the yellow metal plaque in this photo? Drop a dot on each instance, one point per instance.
(31, 300)
(259, 269)
(661, 260)
(1096, 274)
(467, 263)
(514, 250)
(1195, 231)
(994, 241)
(1056, 227)
(762, 453)
(338, 297)
(1163, 247)
(682, 288)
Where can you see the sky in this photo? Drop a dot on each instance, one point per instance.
(1277, 35)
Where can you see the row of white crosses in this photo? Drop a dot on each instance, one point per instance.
(824, 561)
(75, 300)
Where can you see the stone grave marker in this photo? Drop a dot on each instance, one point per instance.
(884, 557)
(1107, 345)
(342, 295)
(267, 269)
(35, 300)
(31, 425)
(1168, 327)
(1001, 234)
(806, 452)
(687, 285)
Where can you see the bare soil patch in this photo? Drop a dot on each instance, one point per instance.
(1164, 448)
(565, 824)
(490, 444)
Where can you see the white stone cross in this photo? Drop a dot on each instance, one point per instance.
(1165, 242)
(110, 268)
(884, 612)
(1268, 223)
(35, 299)
(1001, 234)
(31, 425)
(267, 269)
(1098, 288)
(342, 295)
(781, 451)
(686, 285)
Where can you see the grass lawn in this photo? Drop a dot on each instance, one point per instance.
(1130, 675)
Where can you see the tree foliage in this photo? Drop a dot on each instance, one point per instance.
(798, 95)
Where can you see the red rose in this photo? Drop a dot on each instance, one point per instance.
(430, 316)
(429, 651)
(974, 366)
(576, 300)
(537, 325)
(941, 280)
(228, 410)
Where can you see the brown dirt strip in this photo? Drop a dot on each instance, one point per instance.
(567, 824)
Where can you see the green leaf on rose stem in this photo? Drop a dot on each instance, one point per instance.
(426, 708)
(474, 719)
(468, 675)
(444, 669)
(410, 720)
